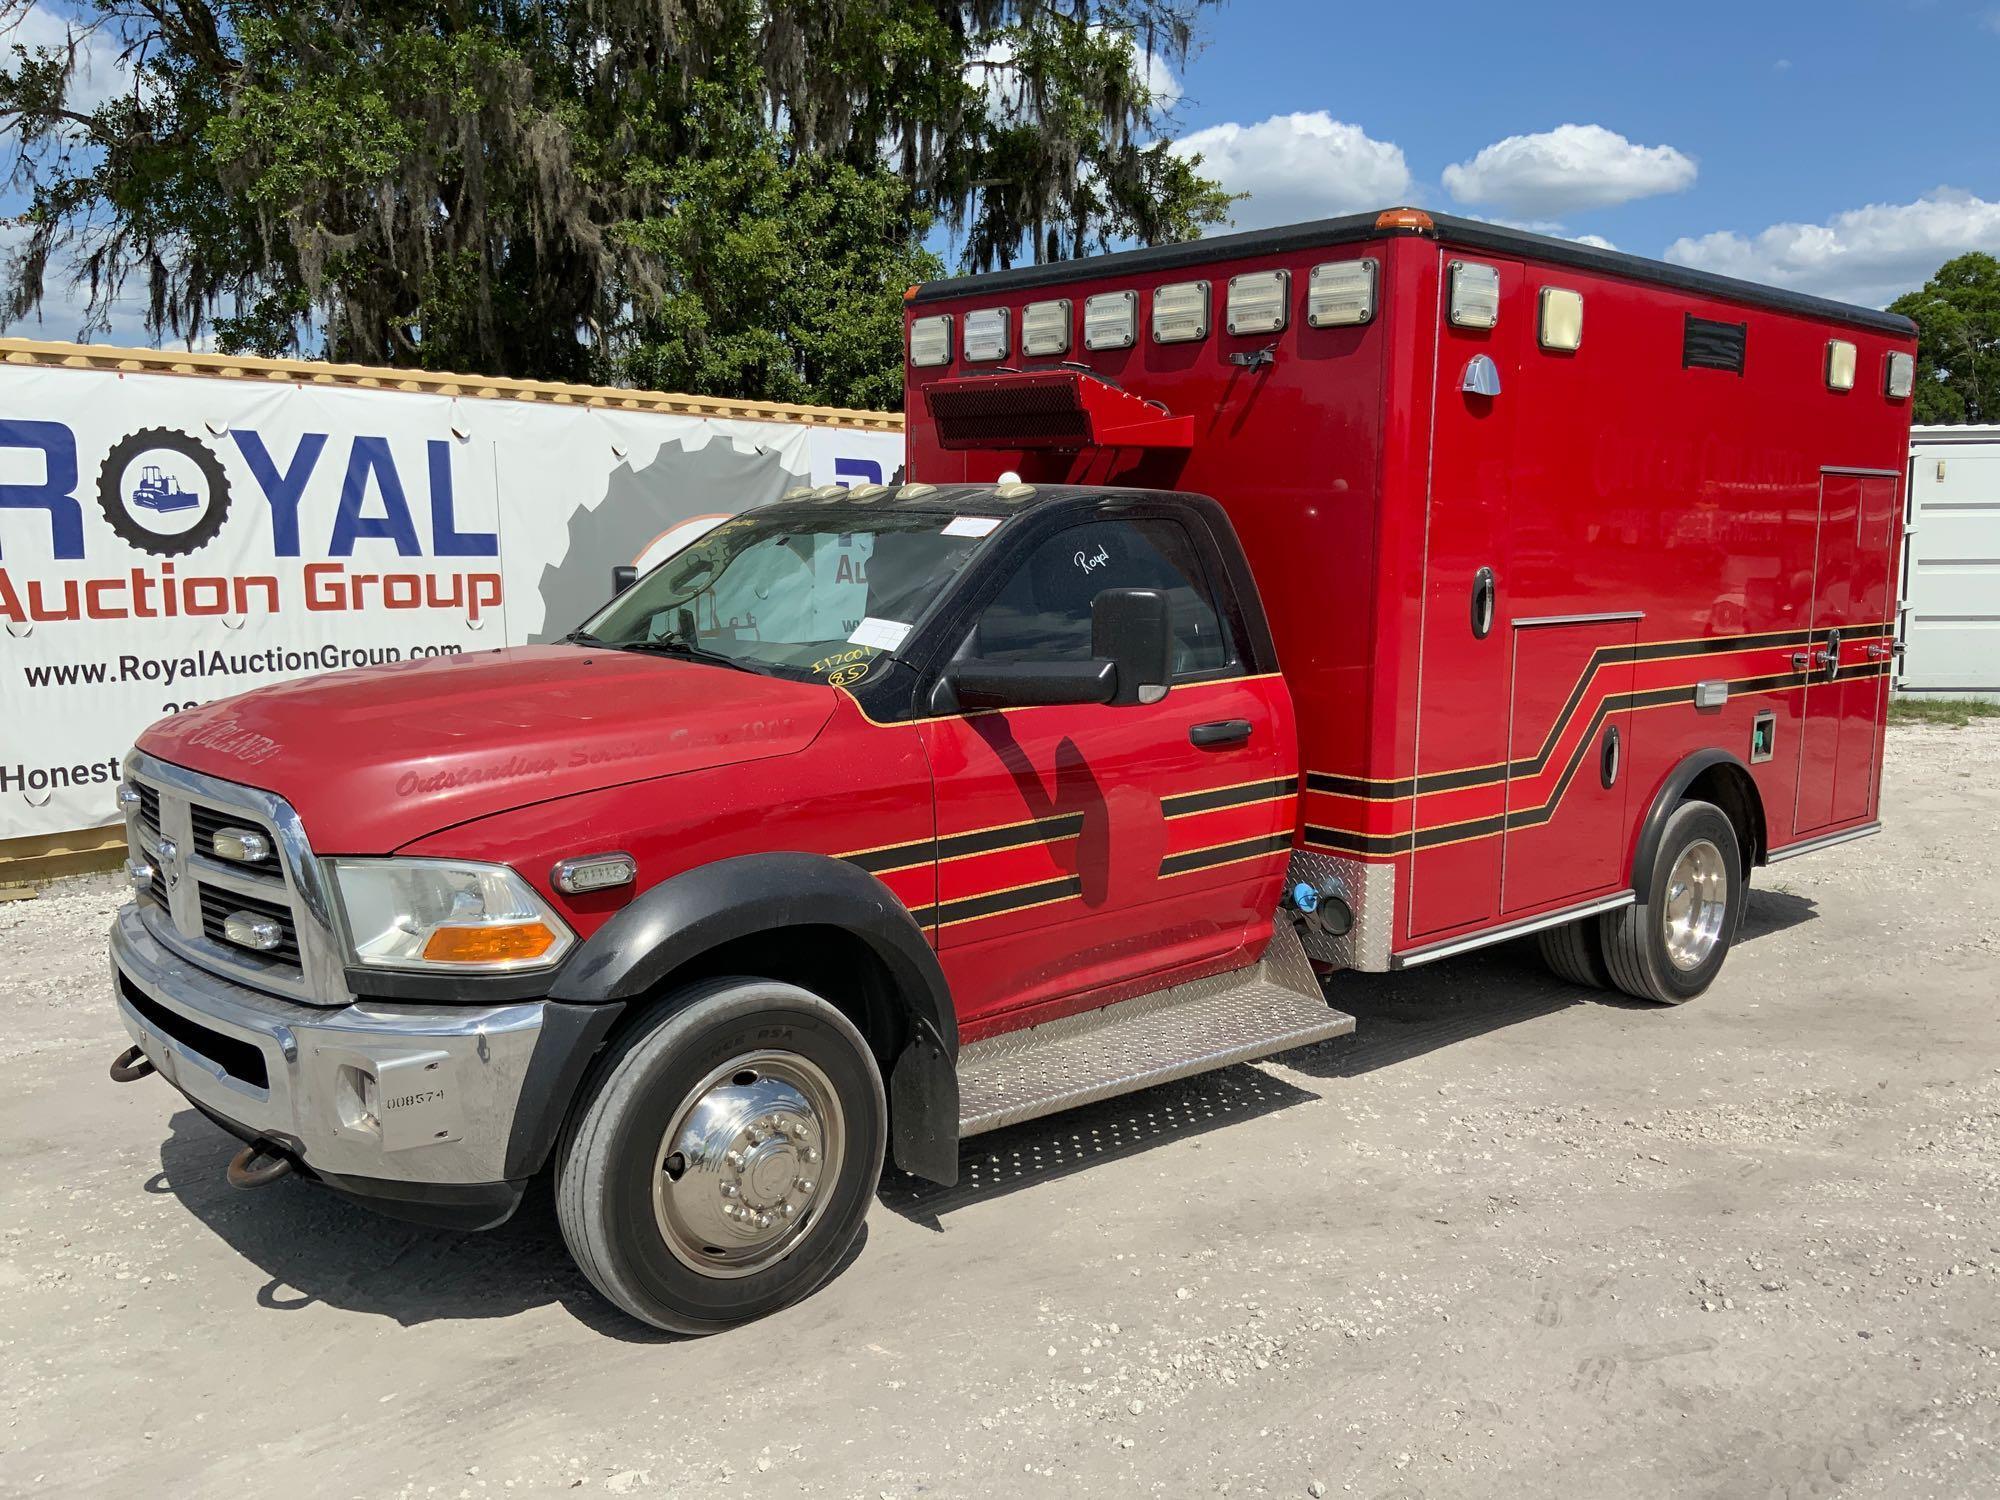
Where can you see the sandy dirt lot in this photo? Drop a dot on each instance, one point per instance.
(1510, 1239)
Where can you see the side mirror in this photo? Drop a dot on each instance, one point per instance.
(623, 576)
(1131, 629)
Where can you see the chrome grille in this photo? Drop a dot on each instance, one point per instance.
(173, 827)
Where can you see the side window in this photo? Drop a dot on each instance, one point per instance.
(1042, 613)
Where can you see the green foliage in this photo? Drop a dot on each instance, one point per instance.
(1948, 713)
(718, 195)
(1958, 341)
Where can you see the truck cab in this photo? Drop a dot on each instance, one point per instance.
(874, 819)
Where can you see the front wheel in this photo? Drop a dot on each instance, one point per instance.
(1669, 945)
(721, 1162)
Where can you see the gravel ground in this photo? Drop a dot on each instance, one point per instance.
(1508, 1238)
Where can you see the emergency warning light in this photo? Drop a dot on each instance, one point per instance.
(1045, 327)
(1259, 302)
(1561, 319)
(1111, 320)
(930, 340)
(986, 334)
(1839, 365)
(1341, 293)
(1180, 312)
(1902, 376)
(1475, 294)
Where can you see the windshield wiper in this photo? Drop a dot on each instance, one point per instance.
(580, 638)
(674, 645)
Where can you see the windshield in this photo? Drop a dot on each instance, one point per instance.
(820, 595)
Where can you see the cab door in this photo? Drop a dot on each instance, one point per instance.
(1086, 852)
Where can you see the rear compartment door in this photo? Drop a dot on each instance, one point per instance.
(1462, 693)
(1569, 743)
(1848, 663)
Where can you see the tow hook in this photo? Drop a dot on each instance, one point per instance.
(130, 1065)
(257, 1166)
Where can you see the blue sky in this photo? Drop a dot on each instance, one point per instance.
(1845, 147)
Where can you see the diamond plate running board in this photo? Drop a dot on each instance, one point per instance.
(1155, 1038)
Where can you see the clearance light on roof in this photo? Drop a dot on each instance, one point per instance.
(1341, 293)
(1561, 324)
(1111, 320)
(1475, 294)
(986, 333)
(1839, 365)
(1045, 327)
(1902, 377)
(1180, 312)
(1259, 302)
(930, 340)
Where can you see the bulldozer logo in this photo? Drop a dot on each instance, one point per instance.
(163, 492)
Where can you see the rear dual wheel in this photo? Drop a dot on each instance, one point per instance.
(722, 1161)
(1669, 945)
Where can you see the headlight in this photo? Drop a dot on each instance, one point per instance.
(438, 914)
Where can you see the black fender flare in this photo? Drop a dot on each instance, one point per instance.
(1669, 797)
(686, 915)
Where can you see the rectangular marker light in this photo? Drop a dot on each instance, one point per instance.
(1180, 312)
(1839, 365)
(930, 340)
(986, 333)
(1562, 319)
(1045, 327)
(1260, 302)
(1901, 378)
(1111, 320)
(1475, 294)
(1341, 294)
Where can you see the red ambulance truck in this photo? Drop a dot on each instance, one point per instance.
(1339, 597)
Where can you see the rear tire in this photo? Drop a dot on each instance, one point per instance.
(1575, 951)
(1669, 945)
(720, 1162)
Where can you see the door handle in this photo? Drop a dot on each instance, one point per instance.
(1830, 658)
(1483, 591)
(1608, 757)
(1220, 732)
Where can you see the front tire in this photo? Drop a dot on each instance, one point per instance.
(1669, 945)
(721, 1162)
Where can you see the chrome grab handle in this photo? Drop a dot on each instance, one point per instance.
(1878, 653)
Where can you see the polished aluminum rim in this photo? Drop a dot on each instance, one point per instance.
(1696, 902)
(746, 1161)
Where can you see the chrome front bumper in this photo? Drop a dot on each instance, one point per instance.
(388, 1100)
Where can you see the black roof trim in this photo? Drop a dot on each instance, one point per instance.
(1472, 233)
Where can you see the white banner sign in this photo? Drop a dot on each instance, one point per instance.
(167, 540)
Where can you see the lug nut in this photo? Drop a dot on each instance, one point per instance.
(734, 1161)
(805, 1185)
(731, 1190)
(809, 1155)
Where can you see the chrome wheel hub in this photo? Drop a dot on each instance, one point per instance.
(1695, 904)
(741, 1166)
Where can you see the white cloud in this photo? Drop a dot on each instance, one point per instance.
(1571, 167)
(1595, 241)
(1870, 255)
(1299, 166)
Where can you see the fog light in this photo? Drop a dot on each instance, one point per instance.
(244, 845)
(248, 930)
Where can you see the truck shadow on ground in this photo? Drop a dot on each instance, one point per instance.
(316, 1247)
(1398, 1017)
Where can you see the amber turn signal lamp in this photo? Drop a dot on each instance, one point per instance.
(1405, 218)
(497, 943)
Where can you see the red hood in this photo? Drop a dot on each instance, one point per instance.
(377, 756)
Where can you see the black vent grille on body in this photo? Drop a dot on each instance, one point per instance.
(1002, 414)
(1710, 345)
